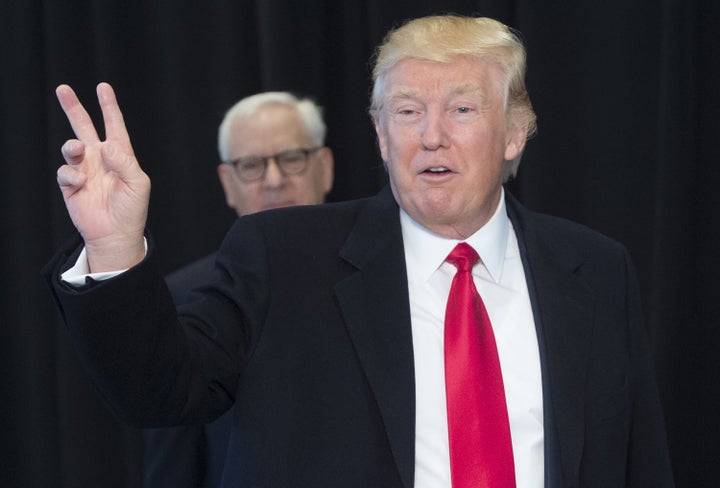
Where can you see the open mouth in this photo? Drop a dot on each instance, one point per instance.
(437, 170)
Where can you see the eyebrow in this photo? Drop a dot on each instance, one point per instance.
(465, 88)
(401, 93)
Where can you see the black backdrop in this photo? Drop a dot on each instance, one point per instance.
(627, 99)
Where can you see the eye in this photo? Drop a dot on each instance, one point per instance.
(292, 157)
(406, 114)
(403, 106)
(405, 111)
(464, 110)
(250, 164)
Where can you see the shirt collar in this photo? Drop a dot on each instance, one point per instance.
(425, 252)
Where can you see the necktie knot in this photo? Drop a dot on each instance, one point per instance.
(463, 257)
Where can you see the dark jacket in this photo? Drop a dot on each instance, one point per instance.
(306, 329)
(187, 456)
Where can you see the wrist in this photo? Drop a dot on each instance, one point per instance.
(115, 253)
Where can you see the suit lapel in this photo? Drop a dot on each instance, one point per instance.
(374, 302)
(563, 310)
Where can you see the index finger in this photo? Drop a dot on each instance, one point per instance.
(112, 116)
(76, 114)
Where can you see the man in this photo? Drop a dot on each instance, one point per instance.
(340, 333)
(272, 148)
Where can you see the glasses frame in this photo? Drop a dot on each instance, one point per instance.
(278, 158)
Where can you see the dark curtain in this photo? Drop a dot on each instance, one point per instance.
(627, 100)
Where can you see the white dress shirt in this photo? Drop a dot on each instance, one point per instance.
(500, 280)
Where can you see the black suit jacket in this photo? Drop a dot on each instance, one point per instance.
(187, 456)
(306, 329)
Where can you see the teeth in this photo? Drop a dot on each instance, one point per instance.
(437, 170)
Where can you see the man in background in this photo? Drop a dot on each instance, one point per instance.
(272, 154)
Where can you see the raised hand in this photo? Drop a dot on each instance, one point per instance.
(105, 190)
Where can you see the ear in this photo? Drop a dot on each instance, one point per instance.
(382, 139)
(327, 160)
(515, 144)
(225, 174)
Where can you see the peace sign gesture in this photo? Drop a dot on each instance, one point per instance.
(105, 190)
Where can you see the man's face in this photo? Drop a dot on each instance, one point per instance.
(273, 129)
(444, 136)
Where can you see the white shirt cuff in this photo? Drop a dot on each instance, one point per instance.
(81, 270)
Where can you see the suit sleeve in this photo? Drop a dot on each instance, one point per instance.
(153, 367)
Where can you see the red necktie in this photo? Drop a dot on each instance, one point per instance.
(478, 427)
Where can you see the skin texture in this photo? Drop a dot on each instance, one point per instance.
(272, 129)
(105, 190)
(444, 136)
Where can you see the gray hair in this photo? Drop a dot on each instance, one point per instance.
(310, 113)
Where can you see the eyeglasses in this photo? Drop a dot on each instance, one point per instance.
(291, 162)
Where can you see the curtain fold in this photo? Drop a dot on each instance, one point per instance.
(684, 308)
(627, 103)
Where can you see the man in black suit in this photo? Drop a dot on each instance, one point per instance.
(284, 137)
(324, 326)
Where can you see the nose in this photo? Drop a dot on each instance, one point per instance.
(273, 176)
(434, 134)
